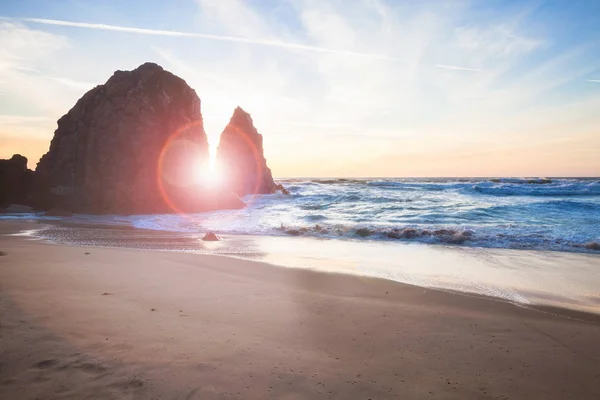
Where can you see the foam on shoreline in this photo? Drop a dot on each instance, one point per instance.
(534, 278)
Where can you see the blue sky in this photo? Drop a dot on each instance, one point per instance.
(338, 88)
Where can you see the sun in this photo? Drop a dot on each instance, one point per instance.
(207, 175)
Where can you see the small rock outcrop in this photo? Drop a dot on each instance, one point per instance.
(240, 156)
(280, 188)
(15, 181)
(210, 237)
(592, 246)
(129, 146)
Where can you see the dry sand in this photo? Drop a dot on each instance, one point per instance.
(132, 324)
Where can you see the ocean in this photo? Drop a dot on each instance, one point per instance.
(544, 214)
(540, 214)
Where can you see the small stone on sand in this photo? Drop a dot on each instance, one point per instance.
(210, 237)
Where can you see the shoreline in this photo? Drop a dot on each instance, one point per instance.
(533, 279)
(444, 238)
(556, 311)
(552, 310)
(128, 323)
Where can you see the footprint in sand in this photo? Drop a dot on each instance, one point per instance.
(105, 374)
(46, 364)
(128, 384)
(92, 368)
(8, 381)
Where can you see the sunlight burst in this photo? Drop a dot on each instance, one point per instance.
(207, 175)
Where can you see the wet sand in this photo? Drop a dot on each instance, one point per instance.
(126, 323)
(532, 278)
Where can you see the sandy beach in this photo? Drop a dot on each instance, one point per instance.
(105, 323)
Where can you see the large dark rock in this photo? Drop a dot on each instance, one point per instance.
(15, 181)
(129, 146)
(240, 156)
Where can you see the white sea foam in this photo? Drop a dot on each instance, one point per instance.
(537, 213)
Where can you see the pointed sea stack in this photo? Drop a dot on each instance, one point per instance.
(240, 155)
(129, 146)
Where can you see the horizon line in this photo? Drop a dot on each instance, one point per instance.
(443, 177)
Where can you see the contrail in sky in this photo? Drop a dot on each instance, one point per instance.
(457, 68)
(155, 32)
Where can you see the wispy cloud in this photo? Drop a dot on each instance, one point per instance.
(6, 120)
(594, 80)
(454, 67)
(24, 55)
(73, 83)
(259, 42)
(498, 40)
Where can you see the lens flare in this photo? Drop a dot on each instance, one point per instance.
(175, 163)
(207, 175)
(184, 164)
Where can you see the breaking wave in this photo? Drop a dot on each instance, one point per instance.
(537, 213)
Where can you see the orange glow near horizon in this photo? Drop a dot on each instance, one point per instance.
(575, 155)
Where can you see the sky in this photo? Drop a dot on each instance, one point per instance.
(362, 88)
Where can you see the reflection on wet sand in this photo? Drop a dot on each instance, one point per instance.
(546, 278)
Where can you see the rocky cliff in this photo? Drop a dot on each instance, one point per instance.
(15, 181)
(129, 146)
(240, 156)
